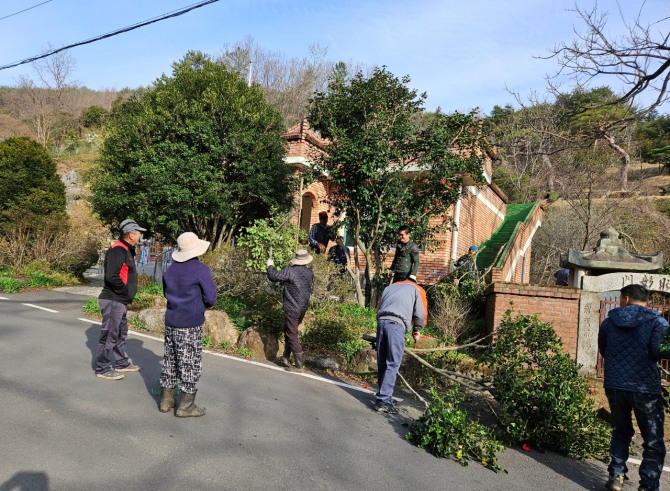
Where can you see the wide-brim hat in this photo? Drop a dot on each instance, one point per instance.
(301, 258)
(188, 247)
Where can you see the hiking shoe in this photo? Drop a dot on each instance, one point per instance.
(129, 368)
(283, 362)
(615, 482)
(110, 375)
(382, 407)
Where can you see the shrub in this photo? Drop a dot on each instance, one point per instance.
(29, 183)
(351, 347)
(231, 274)
(94, 116)
(91, 307)
(138, 323)
(278, 233)
(248, 297)
(445, 431)
(450, 315)
(10, 285)
(337, 323)
(147, 291)
(141, 301)
(244, 351)
(544, 401)
(330, 284)
(234, 307)
(38, 274)
(150, 287)
(47, 239)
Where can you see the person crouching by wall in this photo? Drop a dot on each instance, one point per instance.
(189, 289)
(298, 282)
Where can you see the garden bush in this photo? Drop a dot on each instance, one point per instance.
(10, 285)
(339, 324)
(544, 401)
(47, 239)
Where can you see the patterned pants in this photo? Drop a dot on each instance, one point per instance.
(182, 359)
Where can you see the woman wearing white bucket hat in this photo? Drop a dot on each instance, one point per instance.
(297, 280)
(189, 289)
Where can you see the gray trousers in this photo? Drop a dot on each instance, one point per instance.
(111, 352)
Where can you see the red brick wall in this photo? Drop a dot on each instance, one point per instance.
(476, 224)
(481, 208)
(558, 305)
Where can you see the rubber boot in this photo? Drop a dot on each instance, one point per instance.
(187, 407)
(299, 363)
(167, 400)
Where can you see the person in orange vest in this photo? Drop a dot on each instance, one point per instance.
(402, 308)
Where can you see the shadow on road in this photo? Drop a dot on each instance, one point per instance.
(586, 473)
(147, 359)
(26, 481)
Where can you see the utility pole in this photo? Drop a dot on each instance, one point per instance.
(250, 73)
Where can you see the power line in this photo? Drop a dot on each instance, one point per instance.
(174, 13)
(24, 10)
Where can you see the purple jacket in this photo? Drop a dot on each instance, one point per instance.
(189, 289)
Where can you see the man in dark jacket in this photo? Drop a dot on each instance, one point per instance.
(405, 263)
(319, 234)
(298, 281)
(630, 341)
(118, 292)
(467, 263)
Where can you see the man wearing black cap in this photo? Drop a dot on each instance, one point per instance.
(118, 292)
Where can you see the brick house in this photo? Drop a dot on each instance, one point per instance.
(482, 216)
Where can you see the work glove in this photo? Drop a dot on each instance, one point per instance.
(270, 262)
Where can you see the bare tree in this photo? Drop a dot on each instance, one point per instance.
(532, 141)
(639, 60)
(288, 82)
(45, 104)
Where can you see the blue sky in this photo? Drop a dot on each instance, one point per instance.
(464, 54)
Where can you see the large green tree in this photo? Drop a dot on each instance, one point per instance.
(29, 184)
(390, 163)
(653, 136)
(200, 152)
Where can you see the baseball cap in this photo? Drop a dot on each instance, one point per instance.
(129, 225)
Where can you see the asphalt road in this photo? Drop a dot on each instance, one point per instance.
(61, 428)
